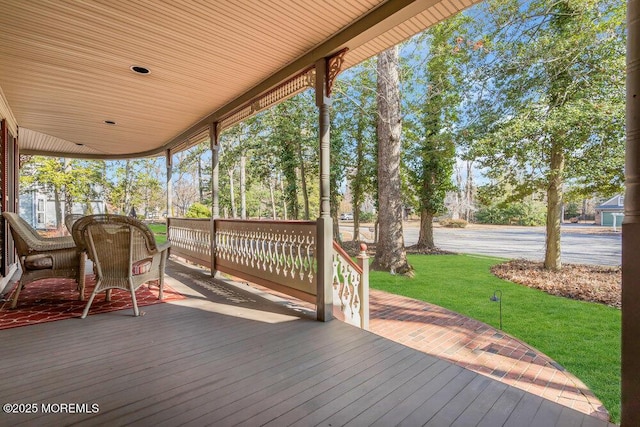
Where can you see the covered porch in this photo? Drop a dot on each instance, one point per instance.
(226, 355)
(68, 90)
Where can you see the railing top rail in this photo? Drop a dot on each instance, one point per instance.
(345, 255)
(188, 219)
(256, 221)
(267, 221)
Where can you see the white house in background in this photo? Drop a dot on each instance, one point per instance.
(611, 212)
(38, 208)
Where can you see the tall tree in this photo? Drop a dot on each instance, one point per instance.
(135, 183)
(555, 77)
(264, 163)
(390, 253)
(355, 105)
(431, 154)
(71, 181)
(294, 130)
(193, 162)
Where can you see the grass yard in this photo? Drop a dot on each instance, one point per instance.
(160, 231)
(583, 337)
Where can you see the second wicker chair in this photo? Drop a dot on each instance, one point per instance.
(124, 251)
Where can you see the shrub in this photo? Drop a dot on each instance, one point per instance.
(198, 210)
(454, 223)
(521, 213)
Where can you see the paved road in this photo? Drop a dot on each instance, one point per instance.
(581, 244)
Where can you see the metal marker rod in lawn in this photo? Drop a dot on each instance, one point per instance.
(496, 298)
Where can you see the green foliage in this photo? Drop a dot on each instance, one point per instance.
(518, 213)
(550, 100)
(571, 210)
(71, 181)
(551, 75)
(294, 136)
(368, 217)
(559, 327)
(354, 114)
(438, 93)
(198, 210)
(135, 183)
(79, 178)
(196, 163)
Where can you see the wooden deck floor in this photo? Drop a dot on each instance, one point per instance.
(225, 357)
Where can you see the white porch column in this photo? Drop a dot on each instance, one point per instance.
(214, 135)
(631, 230)
(324, 239)
(169, 163)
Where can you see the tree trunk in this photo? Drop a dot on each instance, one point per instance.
(199, 181)
(68, 197)
(357, 187)
(457, 212)
(425, 238)
(559, 80)
(554, 208)
(390, 252)
(356, 224)
(58, 206)
(127, 187)
(376, 230)
(272, 196)
(284, 202)
(232, 196)
(468, 192)
(303, 183)
(243, 187)
(333, 207)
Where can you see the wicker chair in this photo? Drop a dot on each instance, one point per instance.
(124, 252)
(42, 257)
(70, 219)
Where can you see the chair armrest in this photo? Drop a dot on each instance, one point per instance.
(163, 246)
(48, 244)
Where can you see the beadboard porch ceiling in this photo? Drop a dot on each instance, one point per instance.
(65, 65)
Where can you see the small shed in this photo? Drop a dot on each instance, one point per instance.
(611, 212)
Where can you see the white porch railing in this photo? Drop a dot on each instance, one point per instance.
(351, 285)
(191, 239)
(280, 255)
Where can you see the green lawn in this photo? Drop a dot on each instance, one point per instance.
(583, 337)
(160, 230)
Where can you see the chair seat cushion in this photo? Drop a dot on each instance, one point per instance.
(141, 267)
(38, 262)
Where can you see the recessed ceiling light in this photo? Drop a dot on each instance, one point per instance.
(140, 70)
(109, 122)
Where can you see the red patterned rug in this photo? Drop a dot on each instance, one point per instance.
(48, 300)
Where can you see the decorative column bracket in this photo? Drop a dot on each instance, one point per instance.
(334, 67)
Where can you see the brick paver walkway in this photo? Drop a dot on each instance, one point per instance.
(473, 345)
(478, 347)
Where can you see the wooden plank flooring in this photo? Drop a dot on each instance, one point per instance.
(226, 357)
